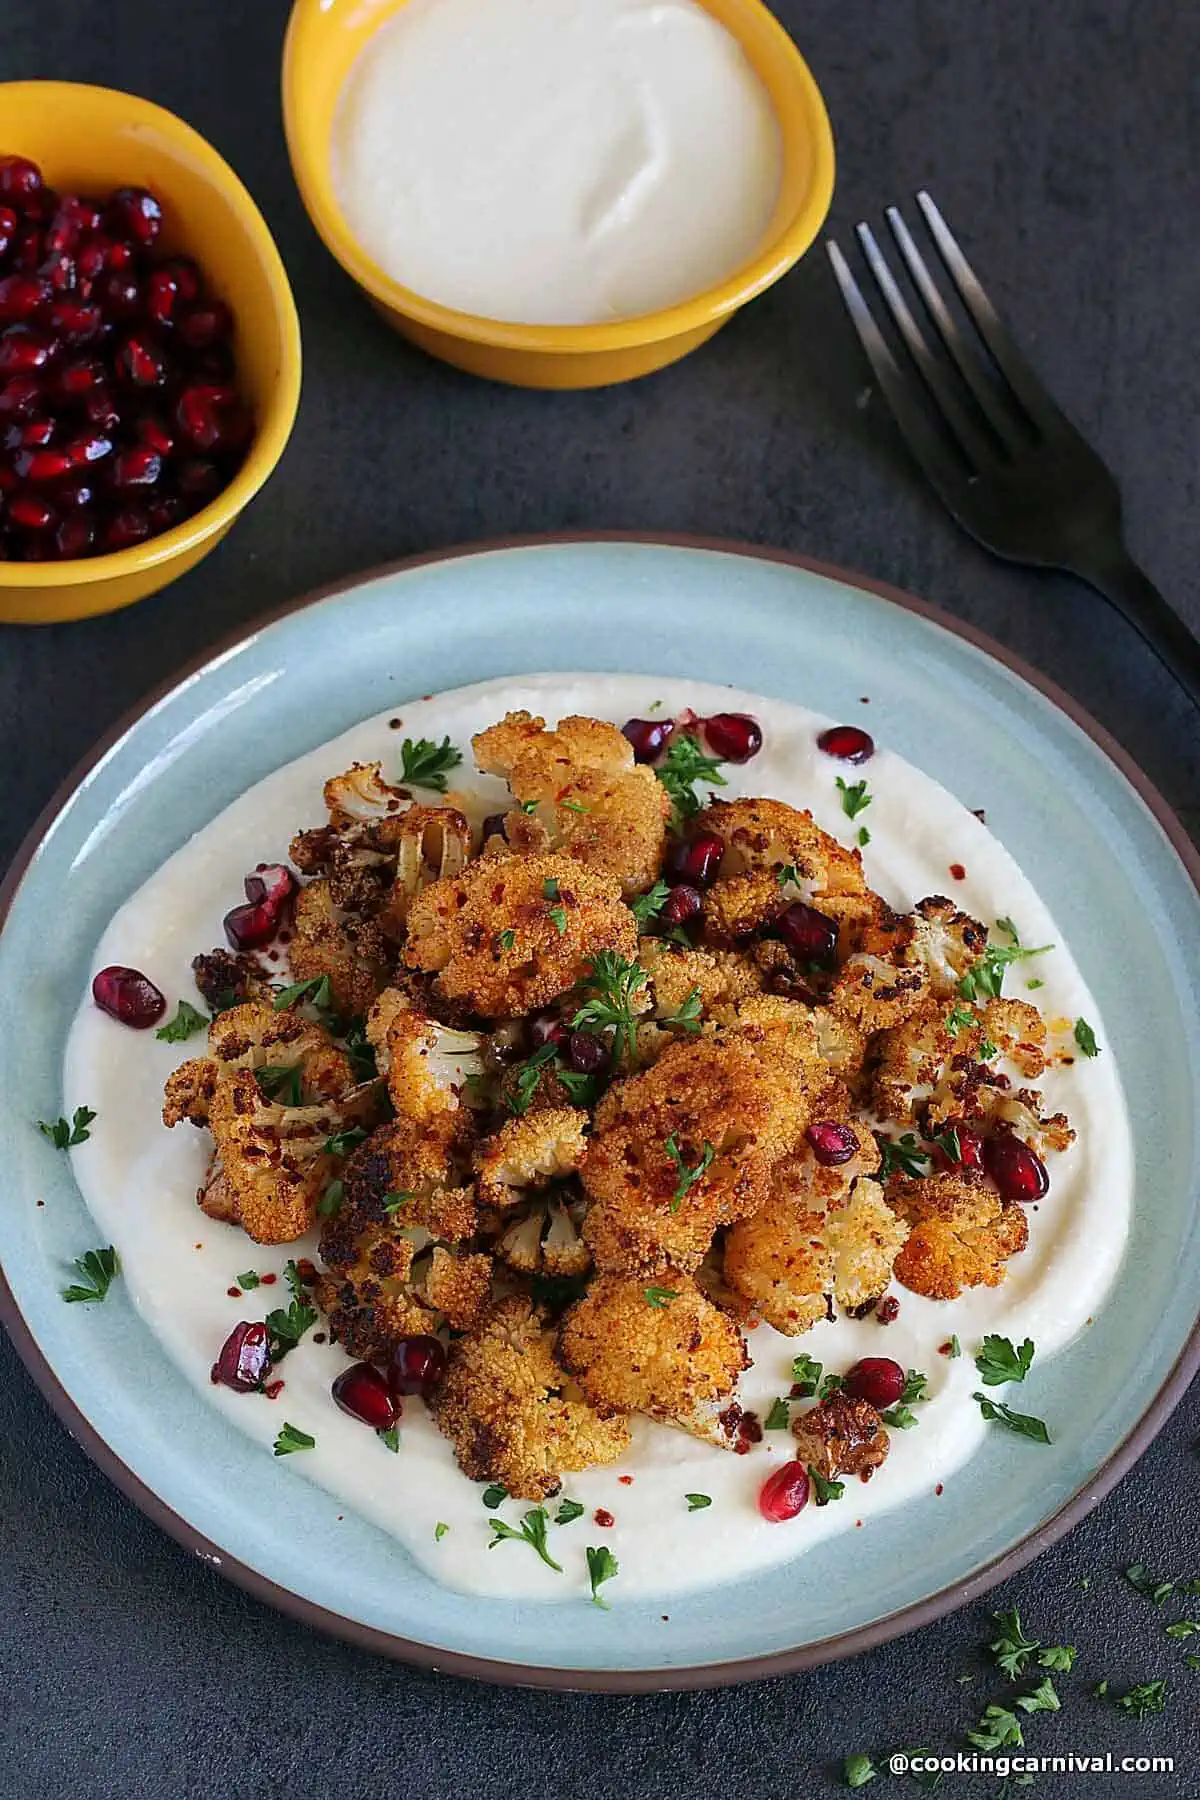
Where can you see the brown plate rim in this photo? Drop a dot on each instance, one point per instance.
(613, 1681)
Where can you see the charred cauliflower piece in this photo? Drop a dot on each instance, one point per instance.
(946, 942)
(544, 1238)
(254, 1036)
(840, 1436)
(362, 796)
(349, 949)
(684, 1147)
(272, 1157)
(225, 977)
(873, 994)
(666, 1351)
(961, 1233)
(934, 1067)
(429, 1066)
(530, 1152)
(511, 1412)
(580, 793)
(762, 839)
(512, 934)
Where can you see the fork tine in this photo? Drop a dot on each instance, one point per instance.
(986, 397)
(1008, 359)
(925, 443)
(941, 386)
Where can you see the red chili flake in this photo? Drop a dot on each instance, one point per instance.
(864, 699)
(603, 1518)
(273, 1390)
(268, 1280)
(958, 872)
(980, 814)
(625, 1480)
(939, 1489)
(887, 1310)
(858, 1524)
(946, 1349)
(42, 1203)
(235, 1293)
(194, 1246)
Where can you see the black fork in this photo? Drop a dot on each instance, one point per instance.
(1006, 461)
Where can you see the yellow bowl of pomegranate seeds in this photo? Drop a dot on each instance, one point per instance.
(149, 350)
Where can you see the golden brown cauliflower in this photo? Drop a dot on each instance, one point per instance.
(961, 1233)
(946, 942)
(511, 934)
(530, 1152)
(253, 1036)
(272, 1157)
(864, 1237)
(778, 1263)
(511, 1412)
(686, 1146)
(840, 1436)
(664, 1350)
(580, 792)
(429, 1067)
(719, 979)
(937, 1067)
(350, 949)
(763, 838)
(544, 1236)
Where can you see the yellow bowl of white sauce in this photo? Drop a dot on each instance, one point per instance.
(556, 193)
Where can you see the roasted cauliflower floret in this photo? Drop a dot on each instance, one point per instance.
(936, 1066)
(778, 1263)
(511, 1412)
(361, 794)
(873, 994)
(946, 942)
(273, 1157)
(512, 934)
(719, 978)
(348, 948)
(864, 1237)
(579, 792)
(429, 1066)
(665, 1350)
(528, 1153)
(544, 1237)
(433, 843)
(253, 1036)
(774, 855)
(686, 1146)
(841, 1436)
(225, 977)
(961, 1233)
(411, 1176)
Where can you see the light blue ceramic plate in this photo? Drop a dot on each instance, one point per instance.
(1098, 844)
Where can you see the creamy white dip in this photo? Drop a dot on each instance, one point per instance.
(556, 161)
(139, 1181)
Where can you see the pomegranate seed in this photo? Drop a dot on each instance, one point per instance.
(162, 295)
(847, 743)
(135, 468)
(89, 447)
(363, 1392)
(128, 527)
(970, 1147)
(832, 1143)
(22, 350)
(134, 214)
(876, 1379)
(8, 227)
(268, 890)
(74, 322)
(697, 859)
(120, 295)
(784, 1494)
(59, 273)
(20, 179)
(163, 511)
(76, 380)
(101, 410)
(809, 933)
(416, 1365)
(141, 362)
(128, 995)
(31, 512)
(734, 737)
(546, 1028)
(244, 1357)
(19, 395)
(29, 434)
(82, 215)
(681, 904)
(204, 326)
(42, 465)
(1017, 1172)
(75, 535)
(20, 297)
(586, 1053)
(271, 884)
(649, 737)
(152, 432)
(27, 250)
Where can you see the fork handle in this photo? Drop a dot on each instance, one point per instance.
(1131, 591)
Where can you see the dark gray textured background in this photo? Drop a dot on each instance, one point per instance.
(1063, 142)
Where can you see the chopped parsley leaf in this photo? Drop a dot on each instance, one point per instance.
(830, 1384)
(568, 1512)
(292, 1438)
(581, 1088)
(1023, 1424)
(64, 1136)
(999, 1361)
(948, 1143)
(393, 1202)
(559, 916)
(550, 889)
(647, 906)
(97, 1270)
(492, 1496)
(330, 1203)
(1044, 1698)
(1147, 1697)
(997, 1728)
(855, 798)
(697, 1502)
(825, 1491)
(532, 1532)
(186, 1023)
(342, 1142)
(505, 940)
(280, 1082)
(960, 1019)
(316, 991)
(864, 837)
(1032, 986)
(1183, 1628)
(519, 1095)
(779, 1417)
(1192, 1661)
(789, 872)
(425, 763)
(249, 1281)
(987, 1049)
(1139, 1577)
(689, 1014)
(614, 985)
(900, 1418)
(688, 1174)
(287, 1325)
(681, 768)
(439, 1531)
(602, 1566)
(1085, 1037)
(904, 1154)
(955, 1347)
(575, 806)
(858, 1769)
(985, 980)
(1057, 1656)
(660, 1296)
(806, 1374)
(529, 807)
(390, 1438)
(1011, 1648)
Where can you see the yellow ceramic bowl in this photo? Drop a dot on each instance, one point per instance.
(92, 139)
(325, 36)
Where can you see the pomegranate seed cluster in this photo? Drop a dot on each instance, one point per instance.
(120, 414)
(574, 1097)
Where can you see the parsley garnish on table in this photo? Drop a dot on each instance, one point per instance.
(985, 981)
(97, 1270)
(64, 1136)
(186, 1023)
(602, 1566)
(1147, 1697)
(425, 764)
(684, 764)
(858, 1769)
(532, 1532)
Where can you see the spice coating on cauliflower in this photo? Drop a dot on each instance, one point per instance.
(528, 1153)
(961, 1233)
(349, 949)
(273, 1157)
(841, 1436)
